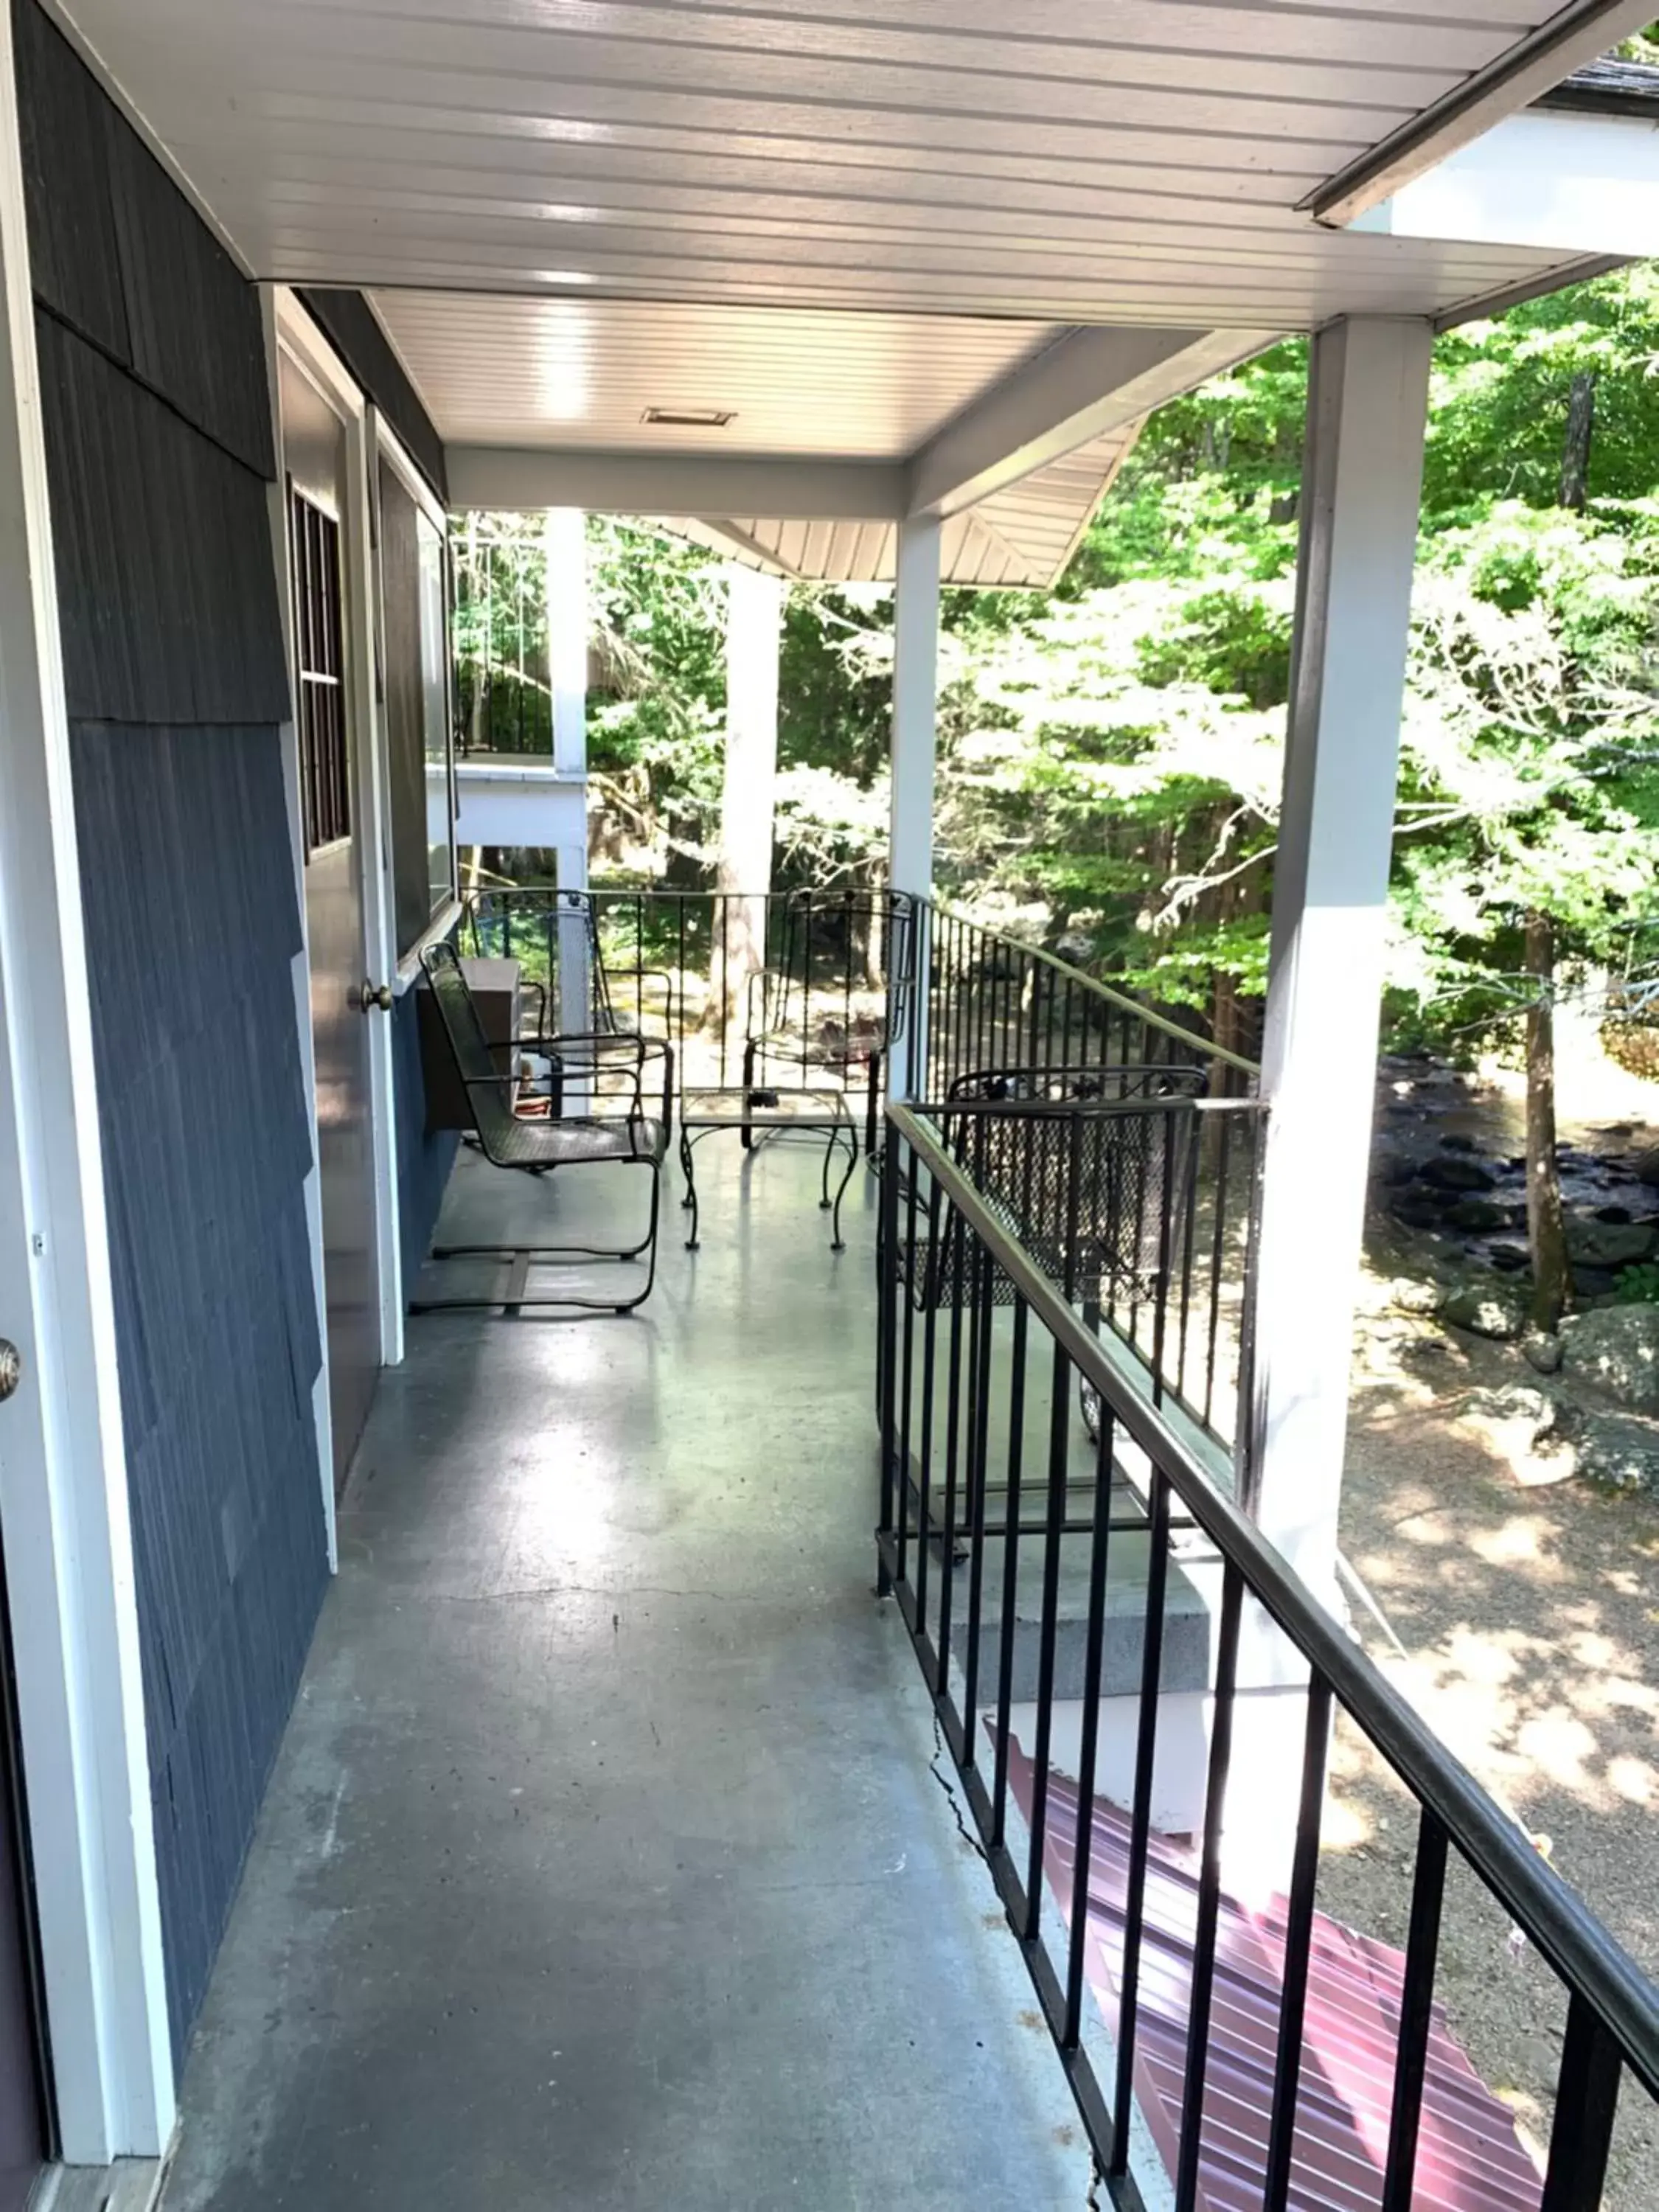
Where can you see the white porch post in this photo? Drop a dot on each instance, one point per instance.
(1367, 404)
(915, 700)
(565, 539)
(754, 637)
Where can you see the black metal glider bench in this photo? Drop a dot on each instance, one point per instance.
(534, 1135)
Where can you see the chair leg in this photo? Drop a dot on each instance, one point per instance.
(650, 1243)
(554, 1255)
(835, 1244)
(690, 1198)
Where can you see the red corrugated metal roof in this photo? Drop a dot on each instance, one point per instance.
(1469, 2157)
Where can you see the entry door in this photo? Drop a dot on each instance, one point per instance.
(23, 1446)
(315, 458)
(22, 2144)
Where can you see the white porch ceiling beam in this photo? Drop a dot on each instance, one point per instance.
(505, 479)
(1087, 382)
(1576, 33)
(1579, 184)
(749, 548)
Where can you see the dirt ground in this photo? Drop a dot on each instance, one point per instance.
(1523, 1623)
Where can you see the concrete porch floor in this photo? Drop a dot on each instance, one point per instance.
(603, 1865)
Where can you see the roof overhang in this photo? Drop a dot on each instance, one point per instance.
(873, 259)
(1020, 536)
(1563, 180)
(1571, 38)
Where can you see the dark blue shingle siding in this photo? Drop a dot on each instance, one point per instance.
(159, 451)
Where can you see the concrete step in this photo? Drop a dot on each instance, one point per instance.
(1186, 1659)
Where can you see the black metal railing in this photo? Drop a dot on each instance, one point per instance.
(992, 1001)
(800, 987)
(1005, 1541)
(1135, 1194)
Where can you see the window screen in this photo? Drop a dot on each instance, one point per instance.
(325, 758)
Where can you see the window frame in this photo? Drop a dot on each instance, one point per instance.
(445, 911)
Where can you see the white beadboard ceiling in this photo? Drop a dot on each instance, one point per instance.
(842, 220)
(1021, 536)
(583, 372)
(1060, 160)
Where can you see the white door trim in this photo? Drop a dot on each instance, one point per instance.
(300, 338)
(321, 1408)
(63, 1500)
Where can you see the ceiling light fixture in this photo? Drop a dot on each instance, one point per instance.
(689, 418)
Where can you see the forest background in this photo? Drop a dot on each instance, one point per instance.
(1110, 751)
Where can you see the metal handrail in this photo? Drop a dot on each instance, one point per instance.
(1566, 1933)
(1120, 999)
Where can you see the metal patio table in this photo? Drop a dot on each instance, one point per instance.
(759, 1112)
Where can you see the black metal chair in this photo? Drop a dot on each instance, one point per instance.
(1087, 1166)
(528, 920)
(518, 1128)
(804, 1013)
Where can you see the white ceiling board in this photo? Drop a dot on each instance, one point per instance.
(1070, 160)
(1022, 536)
(525, 372)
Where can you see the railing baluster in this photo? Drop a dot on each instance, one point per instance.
(981, 994)
(906, 1290)
(887, 1328)
(1209, 1893)
(955, 1276)
(1217, 1255)
(1009, 1565)
(846, 986)
(1093, 1659)
(1189, 1245)
(933, 1279)
(1416, 2015)
(1140, 1817)
(1058, 1437)
(1299, 1949)
(1165, 1124)
(984, 1286)
(1586, 2101)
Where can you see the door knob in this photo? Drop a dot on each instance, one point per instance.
(370, 997)
(11, 1367)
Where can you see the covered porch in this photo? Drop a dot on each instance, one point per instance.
(610, 1858)
(857, 1730)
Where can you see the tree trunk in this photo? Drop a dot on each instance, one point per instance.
(1576, 445)
(743, 874)
(1546, 1230)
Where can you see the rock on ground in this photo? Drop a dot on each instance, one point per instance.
(1617, 1349)
(1495, 1312)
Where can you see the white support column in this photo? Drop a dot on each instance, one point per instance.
(754, 636)
(1367, 406)
(565, 539)
(915, 700)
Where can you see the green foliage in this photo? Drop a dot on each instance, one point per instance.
(658, 606)
(1639, 1285)
(1499, 398)
(1111, 751)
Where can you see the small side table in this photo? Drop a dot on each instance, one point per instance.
(757, 1113)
